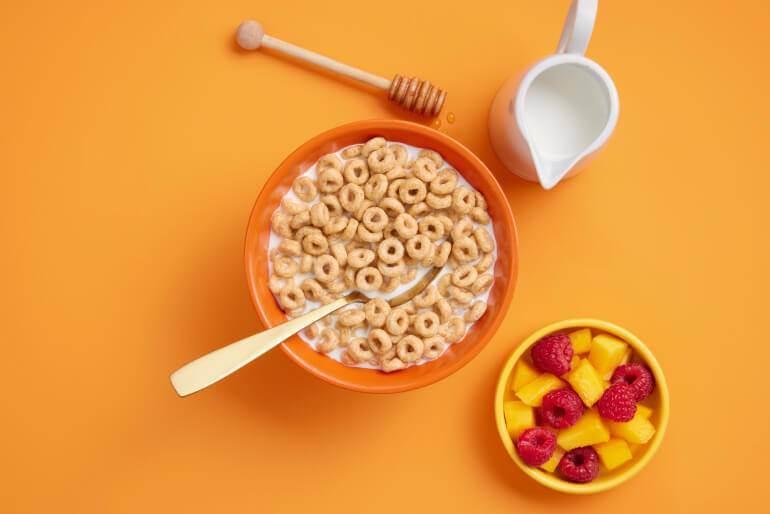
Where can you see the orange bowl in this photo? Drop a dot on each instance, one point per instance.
(470, 167)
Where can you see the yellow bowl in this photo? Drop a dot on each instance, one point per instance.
(659, 400)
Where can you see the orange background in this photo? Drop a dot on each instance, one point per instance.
(133, 141)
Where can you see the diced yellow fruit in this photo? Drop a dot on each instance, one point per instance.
(589, 430)
(551, 464)
(518, 417)
(606, 353)
(574, 362)
(634, 448)
(581, 340)
(532, 393)
(586, 382)
(626, 358)
(523, 374)
(638, 431)
(613, 453)
(643, 411)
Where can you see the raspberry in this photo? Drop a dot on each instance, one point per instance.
(637, 376)
(580, 465)
(561, 408)
(536, 445)
(552, 354)
(618, 402)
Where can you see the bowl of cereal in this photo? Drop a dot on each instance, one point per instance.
(582, 406)
(373, 206)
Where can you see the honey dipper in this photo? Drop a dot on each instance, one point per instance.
(411, 93)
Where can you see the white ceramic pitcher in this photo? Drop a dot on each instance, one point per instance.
(545, 125)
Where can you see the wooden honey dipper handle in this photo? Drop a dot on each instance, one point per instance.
(413, 94)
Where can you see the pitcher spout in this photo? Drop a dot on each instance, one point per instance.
(551, 171)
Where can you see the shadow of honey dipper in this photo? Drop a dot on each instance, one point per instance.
(411, 93)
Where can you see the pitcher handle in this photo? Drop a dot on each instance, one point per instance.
(578, 27)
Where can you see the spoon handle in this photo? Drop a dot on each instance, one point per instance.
(214, 366)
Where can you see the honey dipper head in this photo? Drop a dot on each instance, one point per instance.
(249, 34)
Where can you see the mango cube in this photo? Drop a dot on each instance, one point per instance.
(589, 430)
(613, 453)
(518, 417)
(606, 354)
(643, 411)
(581, 340)
(637, 431)
(532, 393)
(523, 374)
(551, 463)
(574, 362)
(586, 382)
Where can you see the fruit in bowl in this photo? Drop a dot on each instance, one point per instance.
(582, 405)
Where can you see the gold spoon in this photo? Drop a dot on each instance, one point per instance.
(214, 366)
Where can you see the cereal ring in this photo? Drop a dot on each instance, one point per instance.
(482, 283)
(379, 341)
(305, 189)
(326, 268)
(397, 322)
(390, 284)
(284, 267)
(312, 331)
(390, 232)
(349, 277)
(412, 191)
(351, 196)
(315, 244)
(365, 204)
(419, 209)
(373, 144)
(442, 253)
(434, 346)
(465, 249)
(329, 340)
(484, 263)
(454, 330)
(368, 279)
(427, 297)
(431, 227)
(350, 231)
(426, 324)
(443, 284)
(319, 215)
(390, 250)
(424, 169)
(481, 202)
(305, 263)
(396, 173)
(475, 311)
(484, 241)
(406, 225)
(340, 253)
(391, 269)
(400, 152)
(408, 276)
(333, 204)
(444, 310)
(290, 247)
(479, 215)
(360, 258)
(335, 225)
(418, 247)
(375, 219)
(291, 297)
(352, 151)
(330, 180)
(376, 187)
(335, 287)
(410, 348)
(438, 201)
(352, 317)
(359, 350)
(281, 224)
(356, 172)
(392, 207)
(329, 161)
(381, 160)
(391, 365)
(433, 156)
(292, 207)
(427, 262)
(300, 220)
(275, 284)
(346, 334)
(464, 276)
(460, 295)
(312, 289)
(305, 231)
(447, 222)
(394, 187)
(367, 236)
(376, 311)
(444, 183)
(462, 228)
(463, 200)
